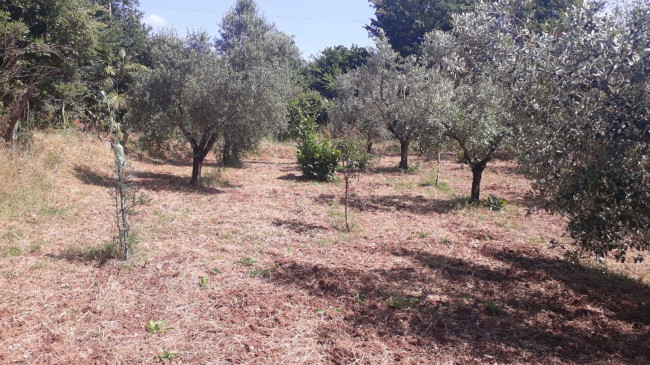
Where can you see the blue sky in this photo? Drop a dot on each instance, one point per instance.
(315, 24)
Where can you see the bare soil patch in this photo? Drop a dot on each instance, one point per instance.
(422, 279)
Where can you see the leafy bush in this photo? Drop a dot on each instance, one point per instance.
(318, 159)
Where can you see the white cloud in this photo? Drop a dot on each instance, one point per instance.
(155, 20)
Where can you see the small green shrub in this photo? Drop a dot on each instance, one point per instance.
(318, 159)
(203, 282)
(495, 203)
(167, 355)
(154, 327)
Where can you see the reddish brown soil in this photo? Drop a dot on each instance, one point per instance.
(420, 280)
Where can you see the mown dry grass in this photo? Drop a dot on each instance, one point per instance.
(255, 269)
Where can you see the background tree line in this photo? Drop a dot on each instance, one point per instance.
(561, 85)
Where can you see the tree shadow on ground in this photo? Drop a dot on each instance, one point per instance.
(416, 204)
(145, 180)
(294, 177)
(298, 226)
(388, 170)
(97, 255)
(622, 297)
(509, 312)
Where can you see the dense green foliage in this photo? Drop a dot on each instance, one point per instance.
(233, 96)
(405, 22)
(397, 92)
(317, 157)
(257, 50)
(58, 57)
(332, 62)
(309, 104)
(587, 138)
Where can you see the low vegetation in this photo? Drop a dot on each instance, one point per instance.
(473, 189)
(418, 271)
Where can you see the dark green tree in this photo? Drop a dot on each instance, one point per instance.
(405, 22)
(45, 45)
(332, 62)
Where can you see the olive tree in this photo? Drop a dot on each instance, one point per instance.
(396, 89)
(472, 55)
(585, 108)
(259, 52)
(189, 90)
(234, 94)
(348, 112)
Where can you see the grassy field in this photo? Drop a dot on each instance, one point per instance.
(256, 268)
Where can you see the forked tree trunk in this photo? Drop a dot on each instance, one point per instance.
(477, 174)
(404, 149)
(9, 120)
(200, 151)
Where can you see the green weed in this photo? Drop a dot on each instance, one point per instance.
(495, 203)
(246, 261)
(203, 282)
(258, 272)
(167, 355)
(155, 327)
(10, 252)
(399, 301)
(493, 307)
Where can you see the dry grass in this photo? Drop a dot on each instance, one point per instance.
(421, 279)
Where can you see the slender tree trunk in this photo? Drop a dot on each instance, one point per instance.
(200, 150)
(404, 160)
(477, 174)
(369, 143)
(438, 172)
(125, 138)
(347, 184)
(10, 119)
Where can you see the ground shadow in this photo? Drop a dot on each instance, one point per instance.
(298, 226)
(390, 170)
(501, 312)
(145, 180)
(294, 177)
(416, 204)
(622, 296)
(96, 255)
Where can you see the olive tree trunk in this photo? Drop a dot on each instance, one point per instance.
(477, 174)
(404, 149)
